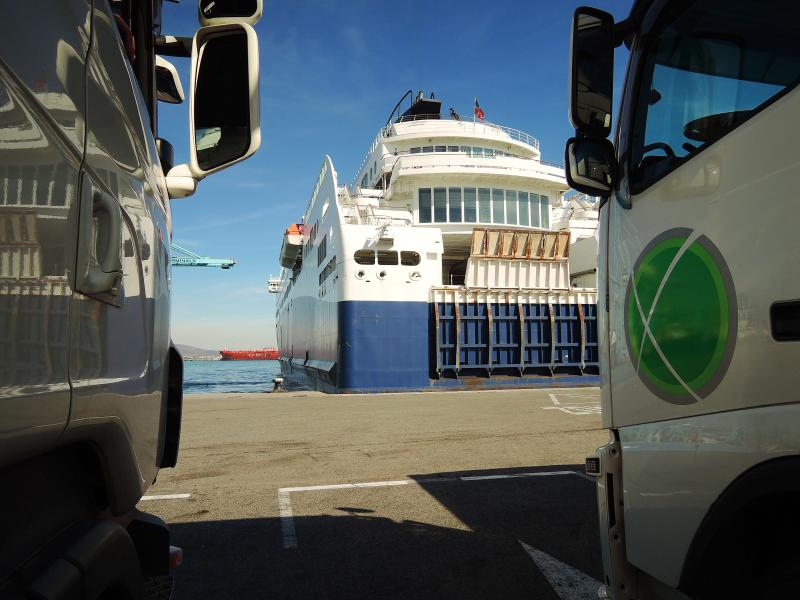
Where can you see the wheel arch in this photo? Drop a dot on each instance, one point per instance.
(744, 526)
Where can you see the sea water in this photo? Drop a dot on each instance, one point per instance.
(206, 376)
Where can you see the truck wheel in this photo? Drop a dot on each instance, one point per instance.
(780, 581)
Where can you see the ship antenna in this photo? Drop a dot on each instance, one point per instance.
(396, 106)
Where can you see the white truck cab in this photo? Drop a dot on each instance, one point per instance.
(90, 384)
(700, 300)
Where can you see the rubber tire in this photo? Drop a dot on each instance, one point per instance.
(780, 581)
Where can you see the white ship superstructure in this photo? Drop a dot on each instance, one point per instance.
(439, 264)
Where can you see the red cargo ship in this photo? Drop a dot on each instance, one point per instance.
(263, 354)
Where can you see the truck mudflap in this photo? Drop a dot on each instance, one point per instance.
(619, 576)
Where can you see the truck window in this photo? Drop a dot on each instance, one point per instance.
(706, 72)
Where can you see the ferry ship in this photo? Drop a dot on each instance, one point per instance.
(440, 266)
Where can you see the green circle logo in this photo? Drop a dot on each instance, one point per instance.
(681, 316)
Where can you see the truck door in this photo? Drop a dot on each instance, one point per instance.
(42, 110)
(117, 365)
(702, 235)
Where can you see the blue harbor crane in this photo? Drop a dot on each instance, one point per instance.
(191, 259)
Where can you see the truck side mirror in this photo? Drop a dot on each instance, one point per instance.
(591, 77)
(223, 12)
(590, 165)
(224, 122)
(168, 83)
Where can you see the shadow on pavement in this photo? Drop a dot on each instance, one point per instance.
(556, 514)
(360, 555)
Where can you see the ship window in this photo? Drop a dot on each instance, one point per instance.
(415, 150)
(322, 250)
(427, 148)
(329, 268)
(452, 148)
(535, 221)
(511, 207)
(364, 181)
(477, 152)
(469, 205)
(488, 152)
(484, 209)
(441, 148)
(466, 149)
(454, 199)
(498, 207)
(364, 257)
(409, 258)
(523, 209)
(387, 257)
(544, 207)
(440, 205)
(425, 205)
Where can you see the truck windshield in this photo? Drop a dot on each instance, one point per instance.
(711, 67)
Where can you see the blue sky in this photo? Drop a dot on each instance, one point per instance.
(331, 71)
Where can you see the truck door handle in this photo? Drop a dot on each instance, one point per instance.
(99, 268)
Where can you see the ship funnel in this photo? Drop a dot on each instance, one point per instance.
(423, 108)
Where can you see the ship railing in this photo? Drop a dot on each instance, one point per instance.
(496, 154)
(424, 160)
(548, 163)
(364, 214)
(387, 220)
(353, 188)
(388, 131)
(350, 193)
(585, 200)
(514, 134)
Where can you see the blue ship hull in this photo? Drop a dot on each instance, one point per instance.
(420, 346)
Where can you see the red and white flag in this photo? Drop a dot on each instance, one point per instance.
(479, 111)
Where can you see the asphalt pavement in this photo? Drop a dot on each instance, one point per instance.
(429, 495)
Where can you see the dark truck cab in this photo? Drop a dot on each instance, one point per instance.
(90, 383)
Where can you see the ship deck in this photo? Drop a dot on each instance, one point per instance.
(405, 495)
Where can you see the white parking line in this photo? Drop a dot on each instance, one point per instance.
(167, 497)
(591, 478)
(567, 582)
(289, 532)
(287, 520)
(513, 475)
(582, 408)
(346, 486)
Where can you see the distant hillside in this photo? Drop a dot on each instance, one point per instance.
(192, 351)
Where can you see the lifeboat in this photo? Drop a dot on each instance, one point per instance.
(292, 244)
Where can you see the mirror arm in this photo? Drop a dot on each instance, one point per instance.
(623, 31)
(171, 45)
(180, 182)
